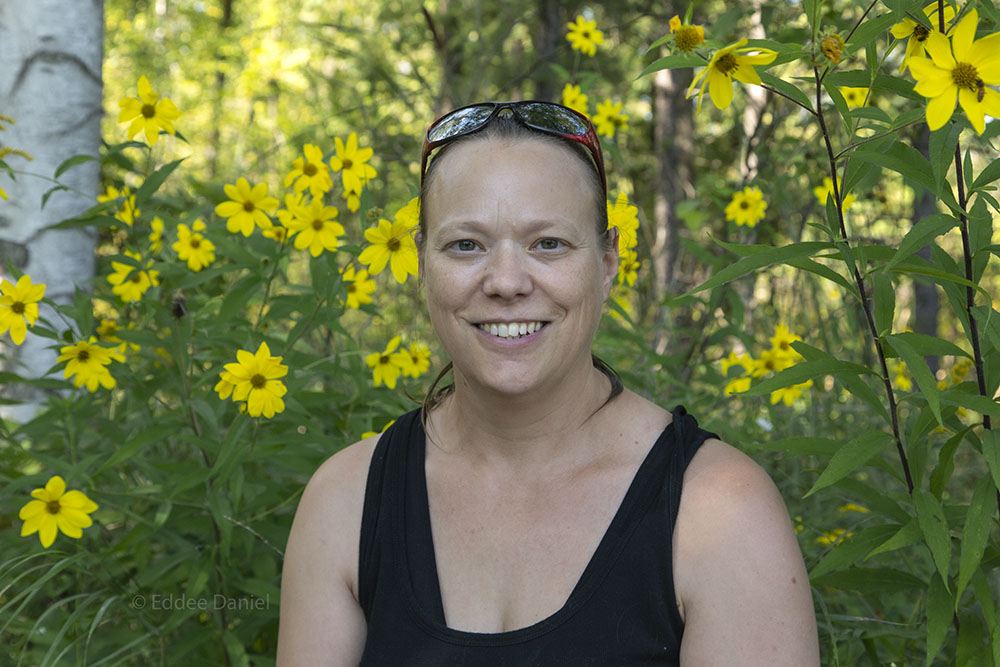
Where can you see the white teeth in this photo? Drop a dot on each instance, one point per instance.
(511, 329)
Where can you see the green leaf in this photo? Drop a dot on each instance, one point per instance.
(920, 371)
(850, 457)
(939, 614)
(976, 532)
(908, 534)
(155, 180)
(989, 174)
(975, 402)
(759, 260)
(921, 234)
(908, 162)
(852, 549)
(989, 324)
(806, 370)
(869, 580)
(803, 446)
(237, 297)
(991, 452)
(946, 462)
(72, 162)
(941, 149)
(788, 89)
(934, 526)
(869, 31)
(138, 442)
(884, 301)
(823, 271)
(671, 62)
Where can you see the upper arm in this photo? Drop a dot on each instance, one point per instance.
(738, 571)
(321, 621)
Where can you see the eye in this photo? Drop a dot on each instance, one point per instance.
(551, 244)
(464, 245)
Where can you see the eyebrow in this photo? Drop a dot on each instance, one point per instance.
(476, 225)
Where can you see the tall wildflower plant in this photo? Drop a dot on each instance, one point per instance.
(924, 550)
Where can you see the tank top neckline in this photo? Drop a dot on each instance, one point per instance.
(642, 491)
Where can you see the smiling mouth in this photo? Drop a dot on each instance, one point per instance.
(511, 330)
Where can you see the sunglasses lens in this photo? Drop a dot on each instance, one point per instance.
(552, 118)
(460, 122)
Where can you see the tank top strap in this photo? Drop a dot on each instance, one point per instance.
(688, 439)
(386, 472)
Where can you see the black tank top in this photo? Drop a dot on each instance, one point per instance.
(623, 610)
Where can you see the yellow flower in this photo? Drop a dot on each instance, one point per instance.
(855, 97)
(625, 218)
(628, 266)
(156, 236)
(246, 206)
(352, 163)
(224, 387)
(831, 537)
(386, 366)
(148, 113)
(851, 507)
(782, 341)
(420, 360)
(192, 247)
(832, 47)
(19, 307)
(960, 370)
(129, 282)
(574, 99)
(686, 37)
(610, 118)
(584, 36)
(747, 207)
(902, 380)
(917, 33)
(825, 191)
(409, 215)
(728, 63)
(772, 361)
(314, 227)
(55, 509)
(278, 232)
(359, 287)
(789, 395)
(254, 379)
(310, 172)
(88, 363)
(737, 385)
(742, 360)
(942, 77)
(368, 434)
(392, 243)
(353, 199)
(106, 333)
(3, 195)
(128, 212)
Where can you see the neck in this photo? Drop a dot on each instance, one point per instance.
(536, 428)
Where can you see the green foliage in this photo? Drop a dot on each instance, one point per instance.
(890, 471)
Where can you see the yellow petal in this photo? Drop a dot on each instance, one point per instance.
(939, 49)
(962, 36)
(939, 110)
(973, 109)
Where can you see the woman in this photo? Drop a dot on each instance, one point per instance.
(532, 512)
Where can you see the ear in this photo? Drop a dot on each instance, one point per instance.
(610, 261)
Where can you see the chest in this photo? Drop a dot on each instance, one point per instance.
(509, 553)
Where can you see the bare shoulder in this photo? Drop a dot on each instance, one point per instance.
(741, 583)
(320, 573)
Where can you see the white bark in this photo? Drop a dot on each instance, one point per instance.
(50, 84)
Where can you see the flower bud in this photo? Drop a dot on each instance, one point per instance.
(833, 47)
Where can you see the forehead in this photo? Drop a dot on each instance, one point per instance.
(483, 180)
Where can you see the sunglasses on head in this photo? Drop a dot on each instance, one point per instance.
(545, 117)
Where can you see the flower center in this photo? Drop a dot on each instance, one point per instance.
(744, 204)
(136, 278)
(393, 245)
(17, 307)
(347, 164)
(148, 110)
(384, 360)
(194, 242)
(965, 76)
(52, 507)
(688, 38)
(920, 33)
(727, 64)
(248, 206)
(82, 355)
(258, 381)
(352, 288)
(317, 224)
(585, 34)
(310, 169)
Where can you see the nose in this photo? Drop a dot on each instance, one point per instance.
(508, 274)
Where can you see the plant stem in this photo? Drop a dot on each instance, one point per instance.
(865, 300)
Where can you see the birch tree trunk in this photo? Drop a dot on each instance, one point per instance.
(50, 84)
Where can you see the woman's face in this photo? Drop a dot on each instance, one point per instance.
(511, 242)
